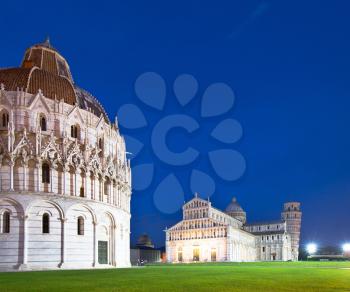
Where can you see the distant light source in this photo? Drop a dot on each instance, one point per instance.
(346, 247)
(311, 248)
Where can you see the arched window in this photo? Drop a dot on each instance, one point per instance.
(45, 173)
(43, 126)
(82, 192)
(4, 119)
(100, 143)
(46, 223)
(6, 222)
(80, 225)
(74, 131)
(106, 190)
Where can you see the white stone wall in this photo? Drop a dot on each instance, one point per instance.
(205, 247)
(241, 246)
(26, 247)
(11, 244)
(274, 247)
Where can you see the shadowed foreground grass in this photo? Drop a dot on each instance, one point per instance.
(267, 277)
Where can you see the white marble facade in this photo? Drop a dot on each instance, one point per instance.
(65, 182)
(207, 234)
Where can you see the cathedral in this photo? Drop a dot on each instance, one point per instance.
(207, 234)
(65, 181)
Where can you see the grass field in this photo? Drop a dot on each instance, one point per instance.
(267, 277)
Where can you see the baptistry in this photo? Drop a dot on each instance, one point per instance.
(65, 181)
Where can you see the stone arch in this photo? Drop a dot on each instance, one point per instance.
(111, 217)
(81, 245)
(43, 211)
(14, 250)
(3, 210)
(54, 204)
(88, 208)
(106, 233)
(16, 204)
(43, 233)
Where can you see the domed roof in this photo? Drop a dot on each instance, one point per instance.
(46, 69)
(234, 206)
(144, 241)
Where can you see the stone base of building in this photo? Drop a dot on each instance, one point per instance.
(64, 266)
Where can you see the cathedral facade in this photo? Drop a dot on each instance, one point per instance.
(207, 234)
(65, 181)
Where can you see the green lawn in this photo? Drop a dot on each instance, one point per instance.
(267, 277)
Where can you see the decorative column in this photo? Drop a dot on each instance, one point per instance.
(122, 198)
(113, 193)
(11, 174)
(115, 250)
(95, 263)
(110, 195)
(63, 243)
(63, 180)
(76, 173)
(96, 189)
(52, 169)
(118, 195)
(24, 260)
(25, 240)
(38, 179)
(86, 183)
(102, 192)
(25, 170)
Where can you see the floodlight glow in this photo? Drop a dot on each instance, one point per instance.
(346, 247)
(311, 248)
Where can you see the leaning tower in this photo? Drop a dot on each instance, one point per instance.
(292, 215)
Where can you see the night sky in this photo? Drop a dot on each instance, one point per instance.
(288, 63)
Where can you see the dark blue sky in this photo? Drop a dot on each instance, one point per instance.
(287, 61)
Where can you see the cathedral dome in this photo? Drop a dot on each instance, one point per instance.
(234, 206)
(144, 241)
(236, 211)
(44, 68)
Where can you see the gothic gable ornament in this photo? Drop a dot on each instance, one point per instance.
(4, 99)
(110, 168)
(75, 156)
(95, 162)
(39, 104)
(51, 150)
(99, 125)
(24, 146)
(76, 115)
